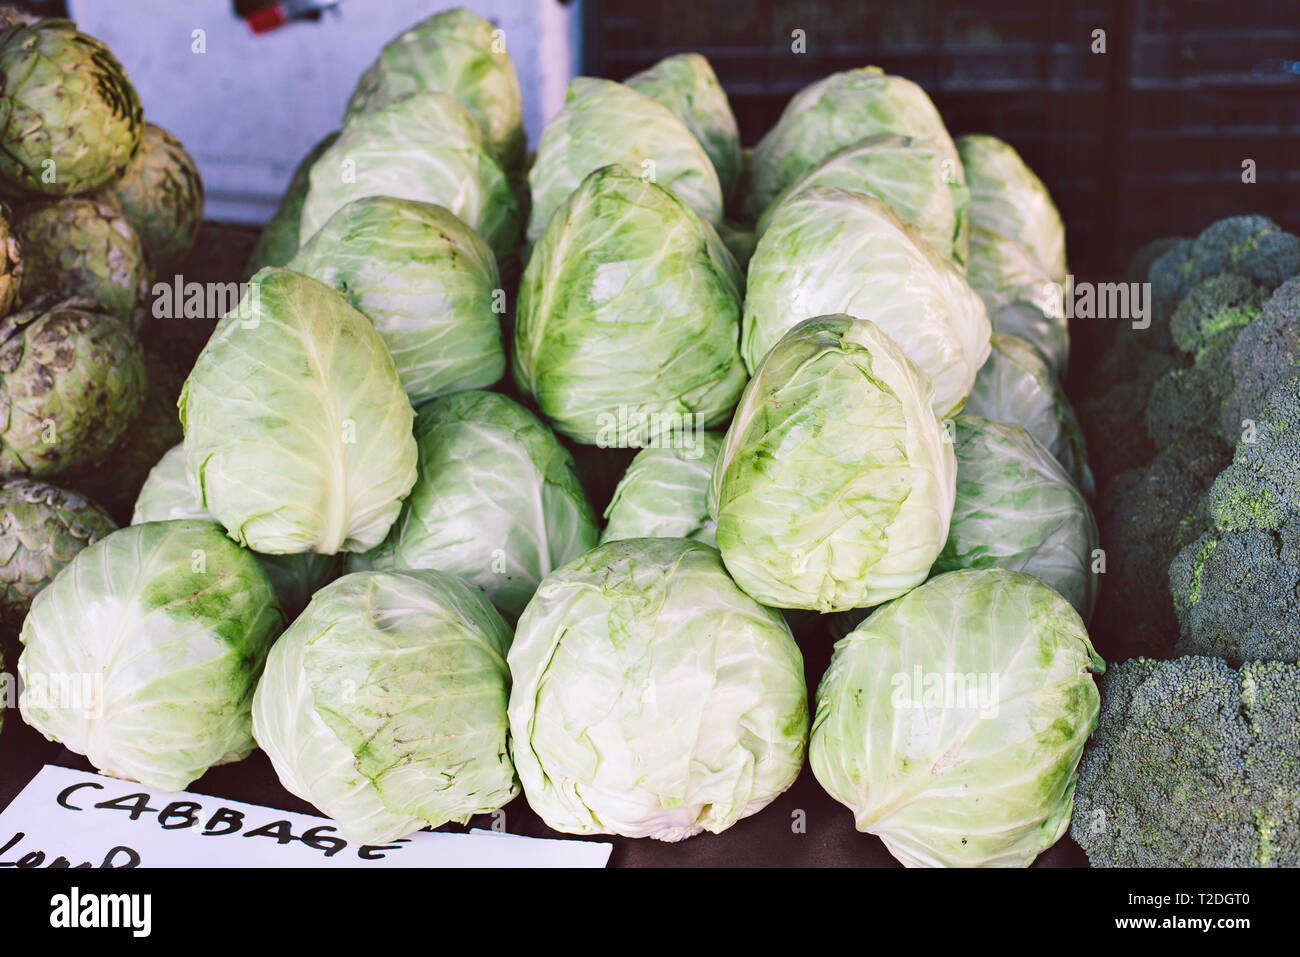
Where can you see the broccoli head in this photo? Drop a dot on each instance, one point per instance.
(1120, 388)
(1220, 305)
(1193, 764)
(1146, 516)
(1265, 353)
(1139, 267)
(1236, 589)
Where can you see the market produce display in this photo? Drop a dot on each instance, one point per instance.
(815, 390)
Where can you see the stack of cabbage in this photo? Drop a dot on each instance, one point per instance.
(486, 636)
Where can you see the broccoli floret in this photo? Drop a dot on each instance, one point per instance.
(1120, 389)
(1191, 399)
(1236, 589)
(1146, 516)
(1220, 305)
(1266, 352)
(1192, 764)
(1139, 267)
(1252, 246)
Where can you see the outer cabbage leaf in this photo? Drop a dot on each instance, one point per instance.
(172, 622)
(951, 721)
(497, 501)
(604, 123)
(1008, 198)
(687, 86)
(835, 482)
(280, 240)
(914, 177)
(628, 316)
(1017, 508)
(427, 282)
(1021, 298)
(459, 53)
(384, 704)
(296, 426)
(829, 251)
(665, 494)
(830, 114)
(1017, 385)
(170, 493)
(425, 147)
(652, 697)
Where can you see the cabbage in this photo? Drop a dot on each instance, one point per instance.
(1021, 298)
(384, 704)
(459, 53)
(169, 493)
(628, 317)
(604, 123)
(297, 430)
(1017, 385)
(1007, 198)
(426, 281)
(688, 87)
(835, 482)
(143, 652)
(497, 501)
(424, 147)
(834, 112)
(913, 177)
(952, 720)
(652, 697)
(1017, 508)
(664, 494)
(829, 250)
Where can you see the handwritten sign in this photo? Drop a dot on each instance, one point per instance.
(66, 818)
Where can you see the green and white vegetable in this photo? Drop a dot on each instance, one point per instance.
(497, 501)
(952, 720)
(1017, 508)
(835, 483)
(297, 430)
(384, 704)
(830, 251)
(428, 283)
(665, 494)
(143, 653)
(629, 316)
(652, 697)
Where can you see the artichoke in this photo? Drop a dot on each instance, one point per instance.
(86, 248)
(11, 263)
(162, 196)
(41, 528)
(155, 430)
(72, 380)
(280, 240)
(70, 120)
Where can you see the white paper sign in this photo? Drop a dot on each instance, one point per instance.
(70, 818)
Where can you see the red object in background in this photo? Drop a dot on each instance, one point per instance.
(268, 18)
(275, 15)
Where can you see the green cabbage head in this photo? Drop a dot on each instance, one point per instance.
(628, 317)
(497, 501)
(297, 430)
(1017, 508)
(913, 177)
(833, 113)
(427, 282)
(384, 704)
(1008, 198)
(459, 53)
(1017, 385)
(652, 697)
(169, 493)
(829, 250)
(665, 493)
(425, 147)
(604, 123)
(142, 654)
(687, 85)
(951, 721)
(835, 482)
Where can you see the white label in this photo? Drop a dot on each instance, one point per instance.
(73, 818)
